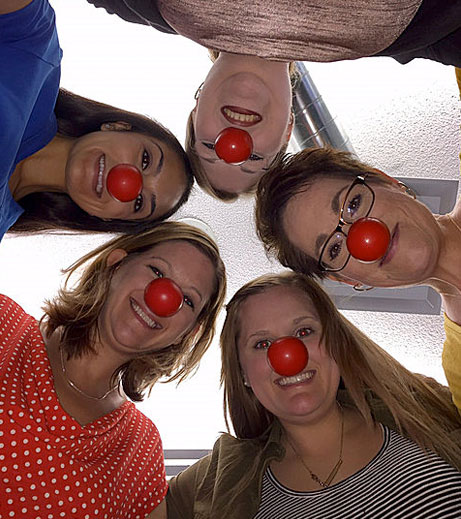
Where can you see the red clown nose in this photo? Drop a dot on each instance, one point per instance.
(288, 356)
(368, 239)
(124, 182)
(163, 297)
(233, 145)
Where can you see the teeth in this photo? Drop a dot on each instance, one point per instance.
(295, 379)
(150, 322)
(241, 117)
(102, 161)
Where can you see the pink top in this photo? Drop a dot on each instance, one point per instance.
(51, 467)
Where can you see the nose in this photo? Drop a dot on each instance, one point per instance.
(163, 297)
(233, 145)
(368, 239)
(124, 182)
(288, 356)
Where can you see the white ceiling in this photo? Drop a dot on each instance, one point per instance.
(402, 119)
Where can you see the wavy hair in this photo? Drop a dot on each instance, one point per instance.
(76, 310)
(421, 408)
(78, 116)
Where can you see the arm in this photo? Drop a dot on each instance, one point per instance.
(159, 512)
(451, 359)
(9, 6)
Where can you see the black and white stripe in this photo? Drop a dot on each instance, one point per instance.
(401, 482)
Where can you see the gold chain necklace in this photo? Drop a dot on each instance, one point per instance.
(74, 386)
(335, 469)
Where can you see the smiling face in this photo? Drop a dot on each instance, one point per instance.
(127, 324)
(286, 311)
(92, 157)
(251, 94)
(411, 257)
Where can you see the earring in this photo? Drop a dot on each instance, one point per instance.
(406, 189)
(359, 287)
(246, 384)
(198, 91)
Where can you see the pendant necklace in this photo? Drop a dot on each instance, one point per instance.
(327, 482)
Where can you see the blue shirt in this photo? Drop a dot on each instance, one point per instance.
(30, 60)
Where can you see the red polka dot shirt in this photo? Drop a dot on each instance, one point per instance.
(51, 467)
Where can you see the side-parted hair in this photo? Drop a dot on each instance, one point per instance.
(78, 116)
(196, 163)
(76, 310)
(295, 174)
(415, 401)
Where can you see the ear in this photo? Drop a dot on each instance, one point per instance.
(118, 126)
(290, 127)
(115, 257)
(336, 276)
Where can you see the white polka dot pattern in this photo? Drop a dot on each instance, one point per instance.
(50, 466)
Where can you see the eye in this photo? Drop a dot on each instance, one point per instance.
(353, 205)
(304, 332)
(145, 162)
(188, 301)
(138, 203)
(262, 345)
(208, 145)
(254, 157)
(334, 250)
(156, 271)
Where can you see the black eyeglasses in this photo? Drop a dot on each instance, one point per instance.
(358, 203)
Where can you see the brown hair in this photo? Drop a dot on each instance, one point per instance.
(77, 116)
(196, 163)
(417, 406)
(77, 309)
(292, 175)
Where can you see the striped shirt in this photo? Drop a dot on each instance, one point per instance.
(400, 482)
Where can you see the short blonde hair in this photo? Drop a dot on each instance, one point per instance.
(419, 410)
(76, 310)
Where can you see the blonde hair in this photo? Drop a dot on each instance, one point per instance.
(417, 406)
(77, 309)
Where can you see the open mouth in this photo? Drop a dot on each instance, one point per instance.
(295, 379)
(143, 316)
(392, 247)
(100, 175)
(240, 116)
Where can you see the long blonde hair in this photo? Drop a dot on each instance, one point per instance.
(76, 310)
(421, 408)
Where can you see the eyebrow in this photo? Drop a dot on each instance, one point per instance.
(260, 333)
(321, 238)
(162, 158)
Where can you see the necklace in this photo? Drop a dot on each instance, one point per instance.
(74, 386)
(327, 482)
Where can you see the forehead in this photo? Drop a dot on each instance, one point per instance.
(179, 250)
(314, 212)
(274, 305)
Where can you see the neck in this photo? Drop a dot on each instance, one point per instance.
(446, 278)
(45, 170)
(241, 63)
(317, 438)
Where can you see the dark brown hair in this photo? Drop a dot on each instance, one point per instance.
(292, 175)
(77, 116)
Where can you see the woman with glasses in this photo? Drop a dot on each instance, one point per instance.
(350, 434)
(324, 213)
